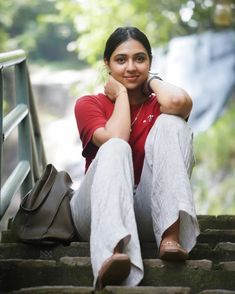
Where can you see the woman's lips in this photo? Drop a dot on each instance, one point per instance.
(131, 78)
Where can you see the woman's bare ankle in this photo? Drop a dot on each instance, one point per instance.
(172, 233)
(119, 247)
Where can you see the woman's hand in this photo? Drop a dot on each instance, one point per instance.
(118, 125)
(113, 89)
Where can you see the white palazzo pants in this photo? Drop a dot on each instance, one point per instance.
(106, 208)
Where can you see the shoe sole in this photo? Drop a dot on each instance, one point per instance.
(114, 271)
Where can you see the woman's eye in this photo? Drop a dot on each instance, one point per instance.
(140, 58)
(120, 60)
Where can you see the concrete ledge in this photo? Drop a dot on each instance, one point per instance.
(76, 261)
(228, 266)
(76, 271)
(213, 236)
(222, 251)
(17, 274)
(55, 290)
(146, 290)
(198, 275)
(216, 222)
(215, 291)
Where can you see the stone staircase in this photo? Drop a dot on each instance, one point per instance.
(67, 269)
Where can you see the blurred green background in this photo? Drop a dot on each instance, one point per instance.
(70, 35)
(51, 29)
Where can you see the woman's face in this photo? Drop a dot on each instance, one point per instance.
(129, 64)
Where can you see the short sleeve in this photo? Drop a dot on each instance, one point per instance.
(89, 116)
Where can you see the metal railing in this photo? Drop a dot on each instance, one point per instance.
(31, 156)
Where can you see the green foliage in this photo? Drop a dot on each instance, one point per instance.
(160, 20)
(37, 27)
(50, 28)
(4, 20)
(213, 176)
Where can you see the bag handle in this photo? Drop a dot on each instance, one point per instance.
(40, 190)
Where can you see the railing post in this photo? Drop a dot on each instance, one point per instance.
(25, 144)
(38, 153)
(1, 133)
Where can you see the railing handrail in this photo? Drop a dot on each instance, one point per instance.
(24, 116)
(12, 58)
(12, 119)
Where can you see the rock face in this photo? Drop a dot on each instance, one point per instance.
(67, 269)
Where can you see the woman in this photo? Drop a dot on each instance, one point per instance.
(139, 158)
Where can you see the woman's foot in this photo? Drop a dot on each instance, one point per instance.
(172, 251)
(114, 270)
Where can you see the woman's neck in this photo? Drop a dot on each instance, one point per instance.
(136, 97)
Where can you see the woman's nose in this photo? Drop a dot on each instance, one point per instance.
(131, 65)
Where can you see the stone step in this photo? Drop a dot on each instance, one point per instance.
(217, 291)
(205, 222)
(159, 290)
(224, 251)
(214, 229)
(55, 290)
(115, 290)
(213, 236)
(216, 222)
(209, 236)
(197, 275)
(107, 290)
(27, 251)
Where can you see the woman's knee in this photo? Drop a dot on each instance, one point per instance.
(169, 119)
(172, 123)
(115, 146)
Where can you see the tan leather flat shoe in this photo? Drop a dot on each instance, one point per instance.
(172, 251)
(114, 270)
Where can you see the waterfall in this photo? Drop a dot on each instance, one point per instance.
(204, 65)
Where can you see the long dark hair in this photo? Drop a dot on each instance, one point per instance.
(121, 35)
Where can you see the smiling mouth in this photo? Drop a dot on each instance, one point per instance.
(131, 78)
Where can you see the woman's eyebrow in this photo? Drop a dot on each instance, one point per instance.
(140, 53)
(124, 55)
(120, 55)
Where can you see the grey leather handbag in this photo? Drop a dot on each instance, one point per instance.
(44, 215)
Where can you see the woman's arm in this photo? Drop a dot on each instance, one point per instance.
(173, 100)
(118, 125)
